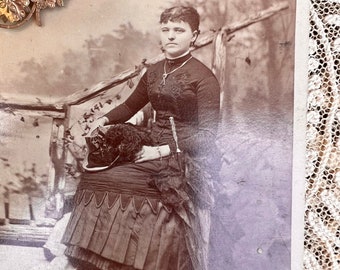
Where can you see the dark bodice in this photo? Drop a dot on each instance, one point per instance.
(176, 95)
(190, 94)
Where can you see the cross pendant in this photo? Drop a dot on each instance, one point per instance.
(164, 76)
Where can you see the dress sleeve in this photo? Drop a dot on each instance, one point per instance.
(136, 101)
(208, 109)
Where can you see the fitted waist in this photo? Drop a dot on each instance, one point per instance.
(162, 133)
(163, 117)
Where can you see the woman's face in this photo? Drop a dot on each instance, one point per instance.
(176, 38)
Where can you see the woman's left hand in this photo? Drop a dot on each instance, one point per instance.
(152, 152)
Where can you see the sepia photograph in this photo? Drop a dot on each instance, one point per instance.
(149, 135)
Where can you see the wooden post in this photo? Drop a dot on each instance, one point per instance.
(56, 184)
(2, 210)
(219, 67)
(19, 210)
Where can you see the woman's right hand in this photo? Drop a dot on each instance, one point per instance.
(152, 152)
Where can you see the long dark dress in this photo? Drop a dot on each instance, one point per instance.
(120, 220)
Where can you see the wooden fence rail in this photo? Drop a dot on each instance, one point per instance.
(203, 40)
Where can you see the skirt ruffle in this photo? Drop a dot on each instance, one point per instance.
(112, 230)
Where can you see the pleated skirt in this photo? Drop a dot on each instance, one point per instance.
(120, 222)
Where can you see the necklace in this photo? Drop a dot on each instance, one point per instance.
(165, 74)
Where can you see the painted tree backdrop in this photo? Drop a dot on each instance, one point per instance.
(251, 228)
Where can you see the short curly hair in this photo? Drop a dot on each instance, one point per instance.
(182, 13)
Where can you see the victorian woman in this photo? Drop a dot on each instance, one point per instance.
(147, 214)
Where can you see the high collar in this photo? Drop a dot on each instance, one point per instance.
(179, 60)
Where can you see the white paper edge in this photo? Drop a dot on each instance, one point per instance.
(299, 138)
